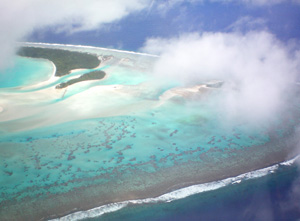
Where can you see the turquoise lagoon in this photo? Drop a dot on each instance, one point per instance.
(26, 71)
(149, 148)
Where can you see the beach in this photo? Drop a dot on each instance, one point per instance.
(124, 140)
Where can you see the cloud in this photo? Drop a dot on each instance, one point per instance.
(20, 17)
(258, 69)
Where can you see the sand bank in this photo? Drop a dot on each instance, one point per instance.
(38, 109)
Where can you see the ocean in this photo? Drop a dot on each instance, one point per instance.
(130, 142)
(275, 196)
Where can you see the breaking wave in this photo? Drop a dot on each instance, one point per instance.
(87, 47)
(177, 194)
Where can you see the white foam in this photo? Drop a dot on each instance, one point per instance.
(291, 161)
(87, 47)
(94, 212)
(177, 194)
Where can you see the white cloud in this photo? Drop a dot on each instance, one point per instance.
(257, 67)
(20, 17)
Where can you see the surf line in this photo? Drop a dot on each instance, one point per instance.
(83, 46)
(177, 194)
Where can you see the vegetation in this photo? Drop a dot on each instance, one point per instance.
(64, 60)
(94, 75)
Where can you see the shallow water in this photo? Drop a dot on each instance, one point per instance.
(26, 71)
(151, 146)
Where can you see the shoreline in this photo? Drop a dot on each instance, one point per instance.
(180, 193)
(50, 80)
(54, 78)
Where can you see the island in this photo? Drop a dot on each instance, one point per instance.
(64, 60)
(94, 75)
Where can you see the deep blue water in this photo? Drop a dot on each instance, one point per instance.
(272, 197)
